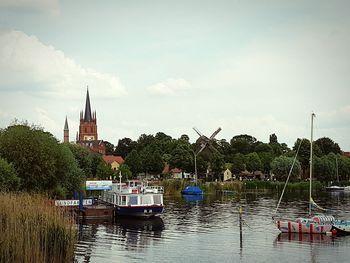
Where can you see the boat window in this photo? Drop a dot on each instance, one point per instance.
(132, 200)
(157, 199)
(123, 200)
(146, 200)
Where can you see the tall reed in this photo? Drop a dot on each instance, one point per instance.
(33, 230)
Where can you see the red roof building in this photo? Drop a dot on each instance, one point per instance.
(114, 161)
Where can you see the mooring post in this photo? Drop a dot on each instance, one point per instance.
(240, 227)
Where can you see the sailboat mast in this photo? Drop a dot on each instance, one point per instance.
(311, 155)
(336, 164)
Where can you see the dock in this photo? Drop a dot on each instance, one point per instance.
(98, 211)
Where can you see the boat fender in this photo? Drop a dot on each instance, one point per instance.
(334, 232)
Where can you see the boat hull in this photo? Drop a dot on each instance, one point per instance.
(139, 211)
(298, 227)
(335, 188)
(341, 228)
(192, 190)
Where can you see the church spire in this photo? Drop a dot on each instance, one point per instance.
(66, 125)
(66, 132)
(87, 113)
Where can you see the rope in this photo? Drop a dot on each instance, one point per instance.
(285, 185)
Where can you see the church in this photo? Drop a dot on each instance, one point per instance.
(87, 135)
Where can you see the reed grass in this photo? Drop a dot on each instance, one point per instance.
(33, 230)
(174, 187)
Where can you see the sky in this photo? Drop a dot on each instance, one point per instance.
(249, 67)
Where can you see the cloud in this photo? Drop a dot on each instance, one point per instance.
(170, 87)
(30, 66)
(46, 6)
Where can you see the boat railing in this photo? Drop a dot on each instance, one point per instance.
(155, 189)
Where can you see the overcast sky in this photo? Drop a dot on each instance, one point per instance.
(249, 67)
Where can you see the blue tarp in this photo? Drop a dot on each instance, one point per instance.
(192, 190)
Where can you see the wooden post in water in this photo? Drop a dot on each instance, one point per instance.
(240, 227)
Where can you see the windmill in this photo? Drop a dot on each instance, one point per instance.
(204, 142)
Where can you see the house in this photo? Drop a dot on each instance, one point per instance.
(227, 175)
(176, 173)
(114, 161)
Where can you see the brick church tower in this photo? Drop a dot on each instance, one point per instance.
(87, 127)
(87, 135)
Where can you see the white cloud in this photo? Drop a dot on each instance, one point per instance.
(50, 6)
(25, 62)
(170, 87)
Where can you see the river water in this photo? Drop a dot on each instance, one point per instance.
(207, 230)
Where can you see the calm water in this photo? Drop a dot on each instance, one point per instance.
(208, 231)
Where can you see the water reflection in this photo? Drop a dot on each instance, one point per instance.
(209, 230)
(153, 224)
(193, 199)
(304, 237)
(132, 234)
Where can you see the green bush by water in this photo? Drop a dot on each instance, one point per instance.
(174, 186)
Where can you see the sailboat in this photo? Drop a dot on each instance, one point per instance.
(312, 224)
(335, 187)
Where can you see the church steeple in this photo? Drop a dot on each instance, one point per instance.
(87, 113)
(88, 126)
(66, 131)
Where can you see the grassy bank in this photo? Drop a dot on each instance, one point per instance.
(175, 186)
(32, 230)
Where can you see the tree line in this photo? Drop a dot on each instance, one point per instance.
(149, 153)
(32, 159)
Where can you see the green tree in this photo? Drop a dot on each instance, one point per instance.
(124, 147)
(41, 163)
(304, 154)
(133, 161)
(344, 168)
(217, 164)
(243, 144)
(326, 146)
(32, 151)
(125, 171)
(266, 158)
(182, 157)
(151, 160)
(71, 176)
(273, 139)
(104, 171)
(263, 147)
(324, 168)
(164, 142)
(225, 149)
(144, 141)
(185, 138)
(8, 176)
(281, 166)
(109, 148)
(84, 158)
(253, 162)
(238, 163)
(96, 159)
